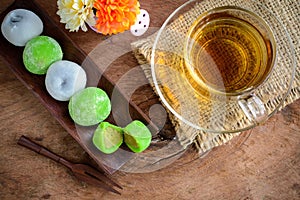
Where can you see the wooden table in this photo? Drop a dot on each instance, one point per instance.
(263, 163)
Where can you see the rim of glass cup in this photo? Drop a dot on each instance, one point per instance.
(186, 121)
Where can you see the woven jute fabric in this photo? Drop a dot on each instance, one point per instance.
(272, 93)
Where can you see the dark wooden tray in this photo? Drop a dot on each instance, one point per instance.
(35, 83)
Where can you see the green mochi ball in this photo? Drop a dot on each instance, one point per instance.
(107, 137)
(39, 53)
(89, 106)
(137, 136)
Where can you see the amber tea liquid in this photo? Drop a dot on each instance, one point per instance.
(227, 54)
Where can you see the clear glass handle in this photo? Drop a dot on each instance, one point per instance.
(253, 108)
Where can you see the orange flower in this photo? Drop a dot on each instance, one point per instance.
(115, 16)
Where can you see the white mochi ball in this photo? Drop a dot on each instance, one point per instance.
(21, 25)
(65, 78)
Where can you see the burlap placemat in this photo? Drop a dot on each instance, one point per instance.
(287, 11)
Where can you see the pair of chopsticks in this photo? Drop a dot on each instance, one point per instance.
(83, 172)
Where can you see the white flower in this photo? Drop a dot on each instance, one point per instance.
(75, 13)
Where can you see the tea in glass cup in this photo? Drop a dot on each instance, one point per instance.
(228, 51)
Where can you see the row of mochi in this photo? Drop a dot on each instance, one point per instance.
(66, 81)
(43, 54)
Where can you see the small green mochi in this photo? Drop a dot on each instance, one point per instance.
(89, 106)
(137, 136)
(107, 137)
(39, 53)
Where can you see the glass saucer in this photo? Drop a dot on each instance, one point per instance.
(162, 153)
(206, 112)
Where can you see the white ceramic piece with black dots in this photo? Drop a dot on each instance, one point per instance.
(142, 23)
